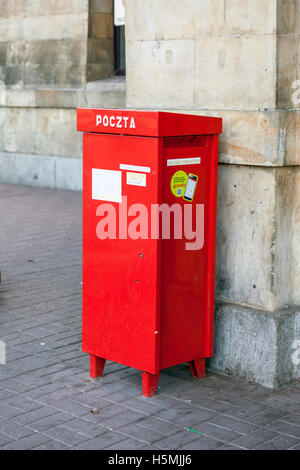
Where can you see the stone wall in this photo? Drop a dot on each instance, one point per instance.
(50, 54)
(43, 42)
(236, 59)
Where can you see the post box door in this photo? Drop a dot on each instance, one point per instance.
(121, 285)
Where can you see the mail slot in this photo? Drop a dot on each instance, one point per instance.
(149, 234)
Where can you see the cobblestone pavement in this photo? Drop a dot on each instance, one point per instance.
(46, 396)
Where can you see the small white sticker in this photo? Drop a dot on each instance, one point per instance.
(136, 179)
(184, 161)
(142, 169)
(107, 185)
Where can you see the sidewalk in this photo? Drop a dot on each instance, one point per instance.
(47, 400)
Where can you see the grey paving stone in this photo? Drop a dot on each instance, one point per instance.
(267, 416)
(4, 439)
(203, 443)
(279, 443)
(123, 419)
(128, 444)
(177, 440)
(250, 441)
(35, 415)
(28, 443)
(85, 427)
(14, 430)
(50, 421)
(283, 427)
(9, 412)
(140, 433)
(164, 427)
(141, 405)
(102, 442)
(66, 435)
(53, 445)
(104, 413)
(233, 424)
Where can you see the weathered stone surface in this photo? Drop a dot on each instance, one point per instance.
(286, 16)
(155, 20)
(41, 171)
(218, 61)
(244, 259)
(101, 26)
(295, 231)
(54, 132)
(101, 6)
(156, 76)
(3, 48)
(251, 17)
(109, 93)
(256, 345)
(29, 170)
(254, 254)
(286, 69)
(66, 51)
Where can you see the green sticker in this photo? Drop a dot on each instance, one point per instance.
(178, 183)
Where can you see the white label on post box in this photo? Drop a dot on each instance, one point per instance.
(142, 169)
(136, 179)
(184, 161)
(107, 185)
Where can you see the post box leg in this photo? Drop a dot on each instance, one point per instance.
(198, 368)
(97, 365)
(150, 383)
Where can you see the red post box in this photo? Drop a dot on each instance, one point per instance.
(149, 229)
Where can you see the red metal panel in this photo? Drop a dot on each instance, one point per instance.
(121, 277)
(153, 124)
(187, 292)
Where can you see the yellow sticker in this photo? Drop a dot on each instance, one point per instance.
(178, 183)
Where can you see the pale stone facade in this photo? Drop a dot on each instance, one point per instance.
(238, 59)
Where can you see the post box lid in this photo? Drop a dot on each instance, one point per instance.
(145, 123)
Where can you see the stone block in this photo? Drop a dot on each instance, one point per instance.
(245, 227)
(70, 75)
(68, 173)
(49, 8)
(31, 170)
(256, 345)
(69, 26)
(286, 16)
(226, 77)
(101, 51)
(297, 25)
(56, 133)
(20, 130)
(101, 6)
(101, 26)
(149, 20)
(156, 76)
(80, 6)
(296, 240)
(286, 70)
(99, 71)
(254, 238)
(251, 17)
(11, 29)
(66, 51)
(3, 48)
(257, 138)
